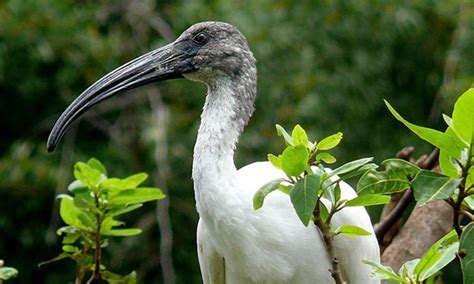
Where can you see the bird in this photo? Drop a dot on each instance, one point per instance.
(235, 243)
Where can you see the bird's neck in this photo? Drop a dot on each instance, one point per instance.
(228, 107)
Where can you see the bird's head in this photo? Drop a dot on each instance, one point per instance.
(205, 52)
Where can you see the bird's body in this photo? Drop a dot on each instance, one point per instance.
(236, 244)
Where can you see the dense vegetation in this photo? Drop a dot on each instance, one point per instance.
(326, 66)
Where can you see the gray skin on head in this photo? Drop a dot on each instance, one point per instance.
(225, 59)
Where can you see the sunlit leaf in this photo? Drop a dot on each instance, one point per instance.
(122, 209)
(299, 136)
(325, 157)
(438, 256)
(138, 195)
(351, 231)
(260, 195)
(430, 186)
(130, 182)
(329, 142)
(368, 200)
(407, 269)
(463, 115)
(304, 196)
(466, 253)
(87, 175)
(96, 164)
(77, 187)
(434, 137)
(122, 232)
(7, 273)
(275, 160)
(382, 272)
(282, 132)
(294, 160)
(73, 215)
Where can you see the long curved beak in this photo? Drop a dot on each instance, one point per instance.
(168, 62)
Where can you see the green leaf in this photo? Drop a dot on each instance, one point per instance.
(294, 160)
(401, 169)
(368, 200)
(108, 223)
(299, 136)
(351, 231)
(469, 202)
(275, 160)
(429, 186)
(304, 196)
(407, 269)
(329, 142)
(438, 256)
(130, 182)
(122, 209)
(114, 278)
(337, 193)
(96, 164)
(282, 132)
(466, 253)
(260, 195)
(122, 232)
(69, 248)
(323, 212)
(463, 115)
(358, 171)
(77, 187)
(7, 273)
(382, 272)
(62, 255)
(434, 137)
(373, 182)
(326, 157)
(285, 188)
(73, 215)
(351, 166)
(87, 175)
(138, 195)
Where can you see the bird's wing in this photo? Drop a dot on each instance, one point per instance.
(211, 263)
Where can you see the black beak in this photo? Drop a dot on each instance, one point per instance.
(168, 62)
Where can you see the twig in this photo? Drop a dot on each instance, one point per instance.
(98, 248)
(329, 241)
(393, 216)
(397, 212)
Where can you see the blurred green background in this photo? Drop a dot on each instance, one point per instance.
(324, 64)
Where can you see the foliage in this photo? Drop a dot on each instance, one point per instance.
(7, 272)
(454, 185)
(315, 191)
(90, 215)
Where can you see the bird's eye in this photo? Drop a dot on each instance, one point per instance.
(201, 38)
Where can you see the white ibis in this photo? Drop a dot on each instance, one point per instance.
(235, 243)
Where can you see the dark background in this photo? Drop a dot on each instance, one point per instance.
(324, 64)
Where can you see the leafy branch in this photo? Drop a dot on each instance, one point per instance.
(316, 192)
(90, 214)
(454, 185)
